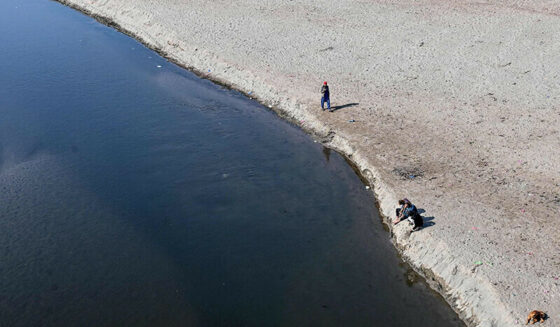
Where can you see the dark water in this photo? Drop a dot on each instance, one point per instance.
(133, 195)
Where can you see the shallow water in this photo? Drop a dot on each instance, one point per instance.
(138, 195)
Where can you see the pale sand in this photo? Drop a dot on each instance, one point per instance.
(463, 94)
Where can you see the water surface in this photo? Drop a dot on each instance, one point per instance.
(135, 194)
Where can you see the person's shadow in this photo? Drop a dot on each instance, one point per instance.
(335, 108)
(428, 221)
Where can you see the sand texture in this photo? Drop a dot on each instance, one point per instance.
(456, 106)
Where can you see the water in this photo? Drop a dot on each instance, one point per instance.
(133, 195)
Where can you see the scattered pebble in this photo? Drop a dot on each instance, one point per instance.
(367, 187)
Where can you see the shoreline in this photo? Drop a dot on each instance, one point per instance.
(472, 292)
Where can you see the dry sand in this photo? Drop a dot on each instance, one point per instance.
(463, 95)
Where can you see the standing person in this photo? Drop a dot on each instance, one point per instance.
(408, 211)
(326, 97)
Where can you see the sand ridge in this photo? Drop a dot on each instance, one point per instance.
(456, 106)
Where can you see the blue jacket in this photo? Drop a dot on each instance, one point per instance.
(410, 211)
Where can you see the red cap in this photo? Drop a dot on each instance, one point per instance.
(325, 83)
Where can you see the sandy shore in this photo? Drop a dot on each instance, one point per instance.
(456, 106)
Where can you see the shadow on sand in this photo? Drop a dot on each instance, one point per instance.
(335, 108)
(428, 222)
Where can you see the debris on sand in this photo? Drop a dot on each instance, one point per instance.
(408, 172)
(476, 265)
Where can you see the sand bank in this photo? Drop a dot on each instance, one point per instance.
(456, 106)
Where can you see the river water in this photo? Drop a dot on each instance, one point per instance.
(135, 194)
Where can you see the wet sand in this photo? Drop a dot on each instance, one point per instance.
(456, 106)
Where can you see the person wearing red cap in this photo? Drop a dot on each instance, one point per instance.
(325, 97)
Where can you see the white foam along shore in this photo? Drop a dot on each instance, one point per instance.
(455, 105)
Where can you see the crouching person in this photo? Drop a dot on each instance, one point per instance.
(409, 212)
